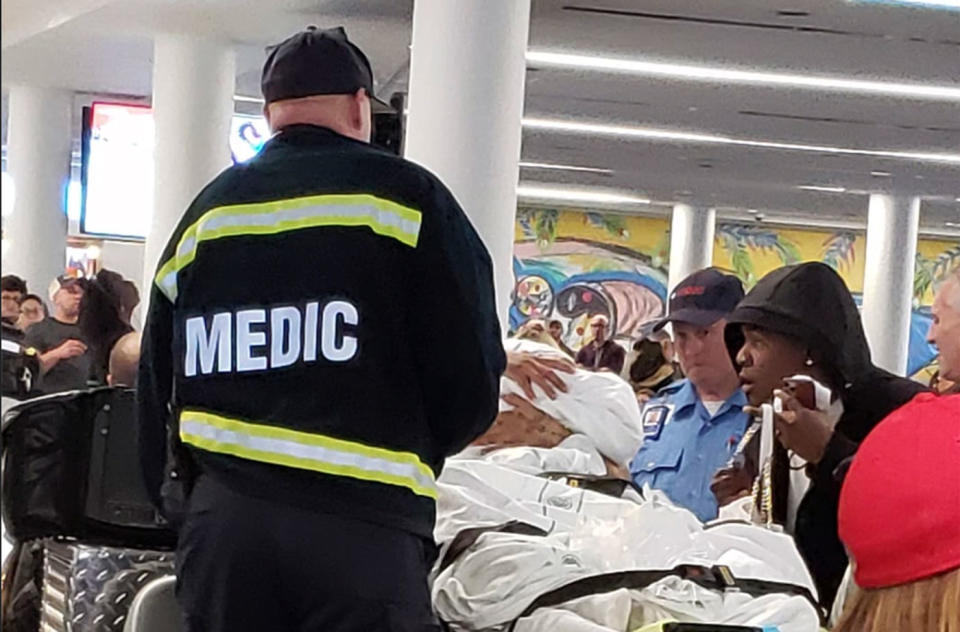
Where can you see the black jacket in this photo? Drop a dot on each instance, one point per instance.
(811, 302)
(364, 263)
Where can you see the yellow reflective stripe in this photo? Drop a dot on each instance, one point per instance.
(304, 450)
(383, 217)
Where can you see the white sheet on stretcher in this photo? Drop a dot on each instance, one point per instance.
(599, 405)
(478, 493)
(577, 454)
(590, 533)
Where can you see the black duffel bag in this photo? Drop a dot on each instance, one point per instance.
(71, 469)
(20, 370)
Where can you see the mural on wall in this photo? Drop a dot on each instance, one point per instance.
(570, 265)
(741, 242)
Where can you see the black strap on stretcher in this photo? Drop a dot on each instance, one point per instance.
(608, 485)
(466, 538)
(713, 578)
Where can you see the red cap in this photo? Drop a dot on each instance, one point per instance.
(900, 504)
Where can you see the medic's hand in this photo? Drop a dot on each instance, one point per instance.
(526, 369)
(807, 432)
(730, 484)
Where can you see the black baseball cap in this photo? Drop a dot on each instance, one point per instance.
(315, 62)
(703, 298)
(65, 281)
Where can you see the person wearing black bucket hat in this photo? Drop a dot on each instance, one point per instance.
(802, 320)
(692, 427)
(310, 413)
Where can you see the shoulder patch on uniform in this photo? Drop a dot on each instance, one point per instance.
(670, 389)
(654, 417)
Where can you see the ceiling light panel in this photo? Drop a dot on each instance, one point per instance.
(924, 4)
(718, 74)
(530, 191)
(647, 133)
(556, 167)
(821, 188)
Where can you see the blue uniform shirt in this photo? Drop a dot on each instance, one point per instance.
(683, 446)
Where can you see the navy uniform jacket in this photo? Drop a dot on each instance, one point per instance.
(683, 445)
(322, 331)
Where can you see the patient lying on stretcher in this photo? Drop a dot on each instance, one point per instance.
(522, 521)
(547, 400)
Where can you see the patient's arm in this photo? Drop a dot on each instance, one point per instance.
(525, 425)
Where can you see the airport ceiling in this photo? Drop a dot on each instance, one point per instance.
(743, 146)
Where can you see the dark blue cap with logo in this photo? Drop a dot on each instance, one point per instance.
(315, 62)
(703, 298)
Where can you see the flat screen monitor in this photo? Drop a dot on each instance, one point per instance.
(117, 170)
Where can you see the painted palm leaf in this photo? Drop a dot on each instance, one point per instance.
(762, 239)
(660, 257)
(614, 224)
(738, 240)
(947, 262)
(838, 251)
(731, 240)
(743, 266)
(525, 218)
(922, 278)
(545, 227)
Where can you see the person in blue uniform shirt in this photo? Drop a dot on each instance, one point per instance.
(692, 427)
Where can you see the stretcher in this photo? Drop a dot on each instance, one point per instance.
(528, 547)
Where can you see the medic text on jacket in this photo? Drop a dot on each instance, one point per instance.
(262, 339)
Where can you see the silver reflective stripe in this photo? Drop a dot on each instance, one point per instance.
(186, 245)
(273, 218)
(302, 455)
(383, 217)
(168, 284)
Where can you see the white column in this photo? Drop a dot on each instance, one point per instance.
(193, 85)
(892, 226)
(467, 75)
(691, 241)
(39, 144)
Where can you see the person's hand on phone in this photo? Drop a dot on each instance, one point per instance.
(807, 432)
(526, 370)
(730, 484)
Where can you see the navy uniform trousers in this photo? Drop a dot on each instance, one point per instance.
(246, 563)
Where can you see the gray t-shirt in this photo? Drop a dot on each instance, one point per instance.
(67, 374)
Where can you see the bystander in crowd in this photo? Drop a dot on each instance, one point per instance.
(802, 319)
(601, 352)
(64, 358)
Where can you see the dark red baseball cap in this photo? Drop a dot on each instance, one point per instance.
(703, 298)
